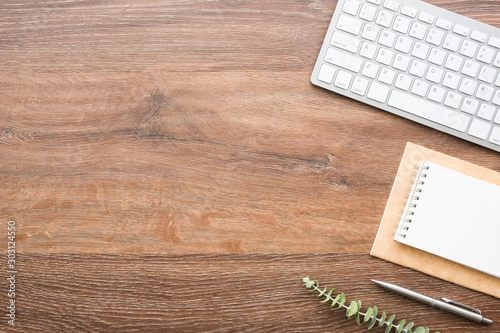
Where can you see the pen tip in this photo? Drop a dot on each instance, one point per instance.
(486, 321)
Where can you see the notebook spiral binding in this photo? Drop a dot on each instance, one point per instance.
(412, 200)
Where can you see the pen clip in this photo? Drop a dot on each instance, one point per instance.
(470, 308)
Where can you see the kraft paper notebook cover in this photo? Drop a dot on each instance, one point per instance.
(386, 247)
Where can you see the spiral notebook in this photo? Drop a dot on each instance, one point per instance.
(454, 230)
(453, 216)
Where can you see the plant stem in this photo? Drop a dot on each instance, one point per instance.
(329, 298)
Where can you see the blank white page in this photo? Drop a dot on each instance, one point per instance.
(456, 217)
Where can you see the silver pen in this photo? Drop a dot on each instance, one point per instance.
(443, 304)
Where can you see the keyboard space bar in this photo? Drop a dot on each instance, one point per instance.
(419, 106)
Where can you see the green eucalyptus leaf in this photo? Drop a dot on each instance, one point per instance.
(389, 323)
(400, 326)
(382, 320)
(409, 327)
(357, 318)
(342, 300)
(368, 315)
(352, 309)
(391, 319)
(357, 314)
(373, 319)
(328, 296)
(309, 284)
(321, 293)
(336, 301)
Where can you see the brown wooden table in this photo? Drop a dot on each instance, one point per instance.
(170, 168)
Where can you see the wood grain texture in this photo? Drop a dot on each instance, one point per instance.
(136, 134)
(220, 293)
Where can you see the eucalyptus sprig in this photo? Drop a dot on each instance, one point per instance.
(353, 310)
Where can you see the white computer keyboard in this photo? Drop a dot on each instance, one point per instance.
(418, 61)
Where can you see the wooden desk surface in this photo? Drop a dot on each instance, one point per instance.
(170, 168)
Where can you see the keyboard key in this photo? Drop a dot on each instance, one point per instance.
(468, 48)
(436, 94)
(409, 11)
(403, 44)
(418, 30)
(451, 80)
(370, 32)
(418, 68)
(435, 37)
(496, 98)
(486, 111)
(478, 36)
(426, 17)
(349, 24)
(453, 100)
(497, 118)
(343, 80)
(343, 59)
(368, 50)
(403, 81)
(495, 135)
(485, 54)
(368, 12)
(429, 110)
(469, 105)
(385, 56)
(484, 92)
(461, 30)
(345, 41)
(387, 76)
(479, 129)
(467, 86)
(496, 62)
(487, 74)
(420, 88)
(359, 85)
(401, 24)
(420, 50)
(437, 56)
(401, 62)
(391, 5)
(451, 42)
(387, 38)
(443, 24)
(434, 74)
(370, 69)
(326, 73)
(494, 41)
(378, 92)
(384, 18)
(453, 62)
(351, 7)
(470, 68)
